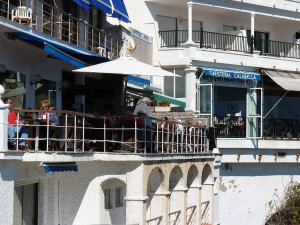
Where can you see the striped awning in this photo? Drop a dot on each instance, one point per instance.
(289, 81)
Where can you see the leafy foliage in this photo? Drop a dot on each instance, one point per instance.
(286, 210)
(164, 103)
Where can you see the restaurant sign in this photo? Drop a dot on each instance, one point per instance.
(231, 74)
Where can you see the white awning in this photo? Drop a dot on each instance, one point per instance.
(287, 80)
(126, 66)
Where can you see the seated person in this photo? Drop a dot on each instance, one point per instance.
(13, 128)
(47, 118)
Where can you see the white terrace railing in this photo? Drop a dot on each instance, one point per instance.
(84, 132)
(55, 22)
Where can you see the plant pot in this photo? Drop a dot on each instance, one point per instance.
(162, 108)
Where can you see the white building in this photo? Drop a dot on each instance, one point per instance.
(41, 43)
(239, 58)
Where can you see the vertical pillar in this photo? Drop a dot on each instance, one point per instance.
(182, 192)
(190, 22)
(252, 26)
(3, 122)
(190, 88)
(136, 210)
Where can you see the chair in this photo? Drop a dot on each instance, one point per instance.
(22, 15)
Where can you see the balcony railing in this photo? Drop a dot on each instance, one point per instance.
(132, 134)
(227, 42)
(273, 129)
(56, 23)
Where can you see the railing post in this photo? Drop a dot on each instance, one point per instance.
(3, 122)
(201, 38)
(135, 135)
(104, 134)
(176, 37)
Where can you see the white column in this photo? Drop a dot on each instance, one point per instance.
(190, 88)
(3, 122)
(252, 24)
(190, 22)
(136, 210)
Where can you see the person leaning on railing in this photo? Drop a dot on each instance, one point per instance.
(15, 127)
(47, 118)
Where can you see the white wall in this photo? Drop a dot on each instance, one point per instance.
(28, 59)
(246, 189)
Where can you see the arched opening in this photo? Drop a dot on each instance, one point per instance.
(193, 196)
(207, 182)
(176, 187)
(155, 198)
(113, 206)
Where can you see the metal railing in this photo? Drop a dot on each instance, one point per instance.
(281, 129)
(84, 132)
(228, 42)
(56, 23)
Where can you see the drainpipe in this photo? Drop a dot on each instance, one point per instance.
(3, 122)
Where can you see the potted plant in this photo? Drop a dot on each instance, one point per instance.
(163, 106)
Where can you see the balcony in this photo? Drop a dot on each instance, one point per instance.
(78, 132)
(227, 42)
(56, 23)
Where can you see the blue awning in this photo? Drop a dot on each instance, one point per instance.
(103, 5)
(59, 167)
(120, 11)
(63, 56)
(138, 80)
(71, 50)
(231, 74)
(85, 4)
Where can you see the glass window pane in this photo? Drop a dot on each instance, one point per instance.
(14, 85)
(46, 90)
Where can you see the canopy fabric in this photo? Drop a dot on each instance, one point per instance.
(289, 81)
(83, 4)
(59, 167)
(138, 80)
(174, 101)
(78, 53)
(231, 74)
(103, 5)
(120, 11)
(126, 66)
(63, 56)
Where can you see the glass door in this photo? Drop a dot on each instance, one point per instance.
(204, 101)
(254, 101)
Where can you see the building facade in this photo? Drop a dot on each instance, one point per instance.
(239, 66)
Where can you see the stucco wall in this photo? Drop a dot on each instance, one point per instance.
(246, 189)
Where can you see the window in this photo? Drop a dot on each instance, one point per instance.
(107, 198)
(26, 204)
(14, 84)
(119, 196)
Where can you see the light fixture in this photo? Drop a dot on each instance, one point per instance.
(2, 68)
(275, 157)
(35, 79)
(64, 84)
(238, 156)
(259, 156)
